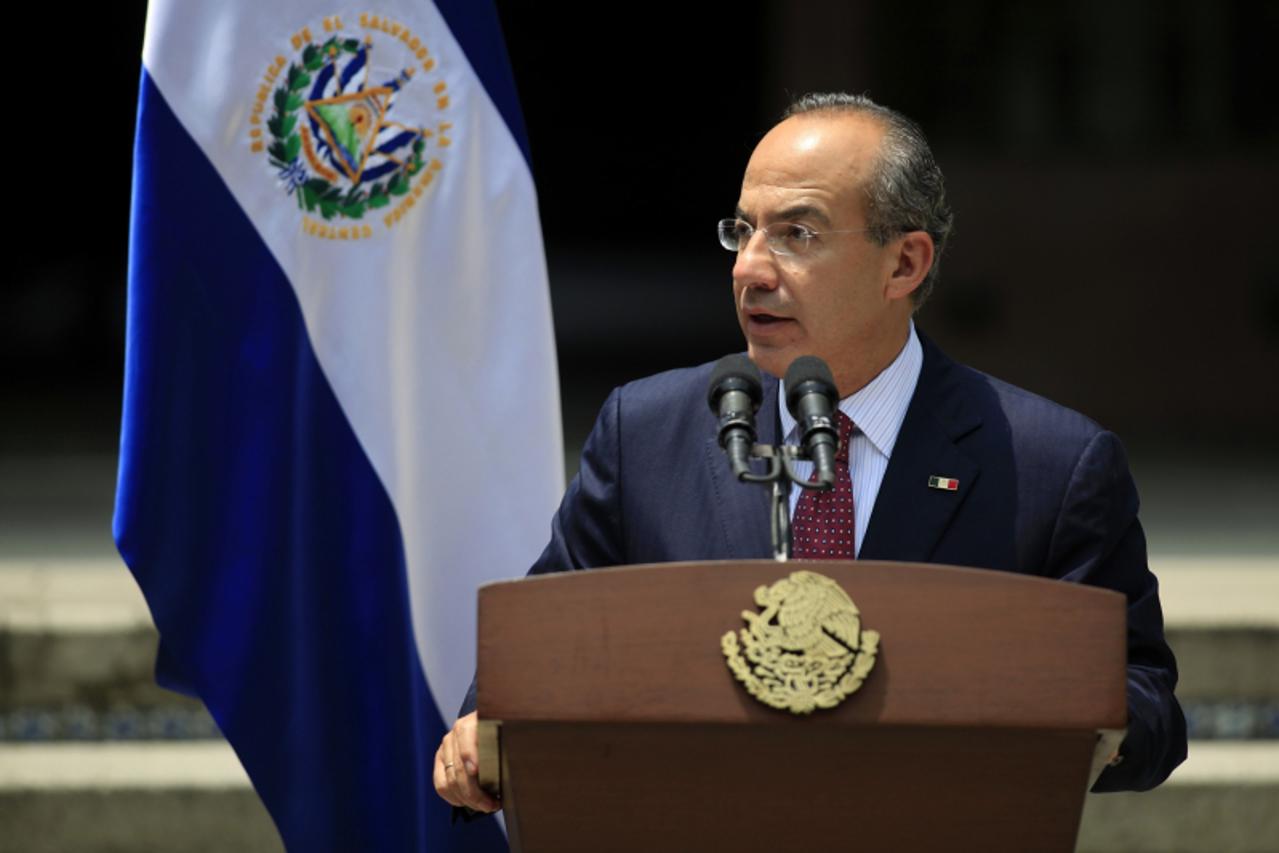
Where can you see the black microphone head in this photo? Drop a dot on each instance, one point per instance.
(734, 373)
(808, 374)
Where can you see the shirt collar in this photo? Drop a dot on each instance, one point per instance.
(879, 408)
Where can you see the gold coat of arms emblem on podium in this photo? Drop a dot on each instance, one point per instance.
(805, 649)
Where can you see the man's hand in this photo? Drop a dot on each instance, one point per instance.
(457, 767)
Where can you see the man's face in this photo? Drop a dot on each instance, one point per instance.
(833, 301)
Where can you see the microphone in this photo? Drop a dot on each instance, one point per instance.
(734, 396)
(811, 397)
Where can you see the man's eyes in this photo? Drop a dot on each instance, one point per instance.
(794, 231)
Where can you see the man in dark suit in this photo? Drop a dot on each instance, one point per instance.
(840, 224)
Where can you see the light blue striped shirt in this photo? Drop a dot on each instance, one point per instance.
(877, 411)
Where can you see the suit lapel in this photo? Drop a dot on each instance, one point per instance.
(742, 509)
(909, 516)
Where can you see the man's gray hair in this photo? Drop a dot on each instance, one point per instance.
(905, 190)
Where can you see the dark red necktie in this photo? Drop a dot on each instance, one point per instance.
(823, 528)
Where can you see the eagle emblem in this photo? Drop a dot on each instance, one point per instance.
(806, 648)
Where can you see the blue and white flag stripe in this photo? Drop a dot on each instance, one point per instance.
(328, 445)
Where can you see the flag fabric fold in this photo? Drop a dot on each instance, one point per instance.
(341, 412)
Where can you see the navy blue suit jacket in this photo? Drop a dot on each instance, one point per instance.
(1042, 491)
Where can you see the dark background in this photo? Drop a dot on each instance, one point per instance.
(1113, 167)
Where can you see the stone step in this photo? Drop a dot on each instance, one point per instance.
(78, 633)
(184, 798)
(1224, 799)
(1222, 621)
(195, 797)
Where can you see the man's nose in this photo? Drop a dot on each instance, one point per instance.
(756, 266)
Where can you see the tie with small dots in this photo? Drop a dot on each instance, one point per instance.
(823, 525)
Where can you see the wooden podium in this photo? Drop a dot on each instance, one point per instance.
(622, 729)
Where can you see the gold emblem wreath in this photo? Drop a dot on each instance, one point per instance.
(805, 649)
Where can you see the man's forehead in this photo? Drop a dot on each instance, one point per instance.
(814, 159)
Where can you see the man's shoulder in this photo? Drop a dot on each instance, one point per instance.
(950, 390)
(664, 404)
(1027, 406)
(1026, 415)
(669, 386)
(1026, 445)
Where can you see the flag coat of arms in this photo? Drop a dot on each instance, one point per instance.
(341, 411)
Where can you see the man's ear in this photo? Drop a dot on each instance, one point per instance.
(914, 256)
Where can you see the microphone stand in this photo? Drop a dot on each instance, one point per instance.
(781, 473)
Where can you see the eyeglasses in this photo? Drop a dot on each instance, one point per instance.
(782, 238)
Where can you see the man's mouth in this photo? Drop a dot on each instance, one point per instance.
(765, 319)
(762, 326)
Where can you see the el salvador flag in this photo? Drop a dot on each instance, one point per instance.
(341, 411)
